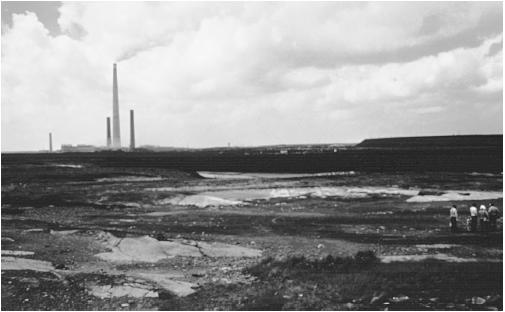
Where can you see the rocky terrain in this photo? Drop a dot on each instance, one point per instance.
(77, 236)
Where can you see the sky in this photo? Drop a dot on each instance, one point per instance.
(249, 73)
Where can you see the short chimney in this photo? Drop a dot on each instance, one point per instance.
(132, 131)
(109, 142)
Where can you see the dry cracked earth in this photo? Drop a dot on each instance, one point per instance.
(80, 237)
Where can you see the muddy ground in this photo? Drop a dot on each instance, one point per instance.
(80, 237)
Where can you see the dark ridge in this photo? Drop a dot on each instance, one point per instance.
(448, 141)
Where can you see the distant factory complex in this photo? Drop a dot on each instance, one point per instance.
(113, 143)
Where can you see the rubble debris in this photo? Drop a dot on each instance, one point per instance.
(177, 288)
(135, 290)
(455, 196)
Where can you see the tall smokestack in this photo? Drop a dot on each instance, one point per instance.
(132, 131)
(108, 133)
(116, 137)
(50, 142)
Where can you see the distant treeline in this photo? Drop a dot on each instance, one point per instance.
(452, 141)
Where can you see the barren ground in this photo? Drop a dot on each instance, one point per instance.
(135, 239)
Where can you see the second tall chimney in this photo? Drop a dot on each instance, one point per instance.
(116, 137)
(109, 142)
(132, 131)
(50, 142)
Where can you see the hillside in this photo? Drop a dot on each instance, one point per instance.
(474, 141)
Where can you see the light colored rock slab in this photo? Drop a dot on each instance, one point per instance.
(68, 232)
(14, 263)
(17, 253)
(456, 196)
(148, 249)
(441, 257)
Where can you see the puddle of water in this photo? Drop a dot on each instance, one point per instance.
(159, 213)
(130, 179)
(437, 246)
(17, 253)
(67, 165)
(200, 201)
(250, 175)
(485, 174)
(456, 196)
(32, 230)
(68, 232)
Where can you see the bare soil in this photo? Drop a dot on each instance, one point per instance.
(310, 249)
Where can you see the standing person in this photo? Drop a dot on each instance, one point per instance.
(483, 218)
(473, 216)
(453, 213)
(494, 214)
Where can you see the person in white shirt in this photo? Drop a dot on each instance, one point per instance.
(483, 218)
(473, 216)
(453, 213)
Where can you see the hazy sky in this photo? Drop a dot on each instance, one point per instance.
(204, 74)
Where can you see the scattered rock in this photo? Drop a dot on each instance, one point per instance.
(130, 290)
(378, 298)
(198, 274)
(60, 266)
(400, 299)
(349, 306)
(177, 288)
(493, 300)
(217, 249)
(478, 300)
(30, 280)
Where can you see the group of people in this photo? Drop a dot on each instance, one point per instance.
(485, 218)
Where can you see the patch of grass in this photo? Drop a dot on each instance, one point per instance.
(293, 265)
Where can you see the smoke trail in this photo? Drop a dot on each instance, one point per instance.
(141, 47)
